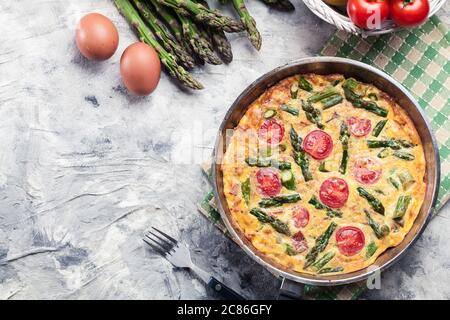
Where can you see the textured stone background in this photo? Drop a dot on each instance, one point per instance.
(85, 167)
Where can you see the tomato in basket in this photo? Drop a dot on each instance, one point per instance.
(368, 14)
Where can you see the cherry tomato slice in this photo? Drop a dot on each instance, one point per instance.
(271, 131)
(410, 13)
(350, 240)
(367, 170)
(299, 242)
(359, 127)
(368, 14)
(268, 182)
(334, 192)
(318, 144)
(301, 217)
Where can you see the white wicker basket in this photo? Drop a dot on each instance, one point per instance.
(330, 15)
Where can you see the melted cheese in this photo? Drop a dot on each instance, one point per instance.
(244, 143)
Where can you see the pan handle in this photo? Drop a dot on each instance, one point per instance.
(290, 290)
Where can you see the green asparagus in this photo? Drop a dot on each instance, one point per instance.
(380, 231)
(294, 91)
(305, 84)
(406, 179)
(356, 98)
(319, 96)
(299, 155)
(246, 191)
(401, 207)
(312, 114)
(289, 109)
(331, 101)
(320, 206)
(145, 35)
(404, 155)
(277, 224)
(371, 249)
(343, 137)
(331, 270)
(248, 22)
(204, 15)
(166, 38)
(319, 264)
(320, 245)
(267, 162)
(288, 179)
(376, 204)
(279, 200)
(378, 128)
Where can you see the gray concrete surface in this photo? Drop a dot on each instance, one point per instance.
(85, 168)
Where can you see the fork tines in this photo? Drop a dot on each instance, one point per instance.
(160, 241)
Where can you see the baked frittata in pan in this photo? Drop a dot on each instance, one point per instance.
(323, 174)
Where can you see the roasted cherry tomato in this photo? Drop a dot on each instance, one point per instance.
(271, 131)
(268, 182)
(334, 192)
(350, 240)
(299, 242)
(318, 144)
(359, 127)
(409, 12)
(368, 14)
(367, 170)
(301, 217)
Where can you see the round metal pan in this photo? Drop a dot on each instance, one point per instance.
(364, 73)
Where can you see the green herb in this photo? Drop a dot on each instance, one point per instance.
(246, 190)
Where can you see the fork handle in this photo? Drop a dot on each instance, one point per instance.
(223, 290)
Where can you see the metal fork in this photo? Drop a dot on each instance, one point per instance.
(179, 255)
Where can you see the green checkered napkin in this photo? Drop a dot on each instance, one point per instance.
(420, 60)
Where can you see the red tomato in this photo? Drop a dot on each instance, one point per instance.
(299, 242)
(359, 127)
(350, 240)
(318, 144)
(368, 14)
(271, 131)
(301, 217)
(269, 182)
(367, 170)
(409, 12)
(334, 192)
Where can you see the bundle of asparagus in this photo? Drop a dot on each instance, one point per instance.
(189, 32)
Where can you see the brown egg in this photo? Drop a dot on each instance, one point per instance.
(140, 68)
(96, 37)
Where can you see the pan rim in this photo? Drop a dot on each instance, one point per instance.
(306, 278)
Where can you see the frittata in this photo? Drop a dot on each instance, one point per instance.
(323, 174)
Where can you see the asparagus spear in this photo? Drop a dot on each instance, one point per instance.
(312, 114)
(390, 143)
(288, 179)
(376, 204)
(401, 207)
(246, 190)
(282, 5)
(145, 35)
(199, 44)
(319, 264)
(331, 101)
(320, 206)
(343, 137)
(330, 270)
(270, 114)
(267, 162)
(204, 15)
(394, 182)
(279, 200)
(404, 155)
(350, 91)
(289, 109)
(299, 155)
(248, 22)
(321, 244)
(277, 224)
(294, 91)
(406, 179)
(380, 232)
(371, 249)
(221, 43)
(319, 96)
(166, 38)
(378, 128)
(304, 84)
